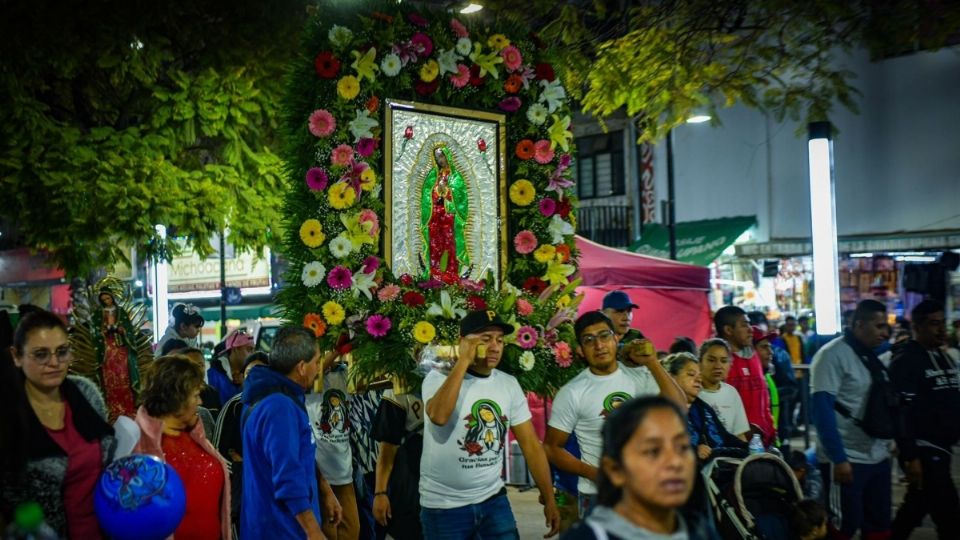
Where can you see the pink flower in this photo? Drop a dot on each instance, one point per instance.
(461, 78)
(524, 307)
(366, 146)
(378, 325)
(422, 43)
(542, 152)
(511, 58)
(525, 242)
(417, 20)
(511, 104)
(527, 337)
(369, 216)
(342, 155)
(565, 161)
(551, 336)
(548, 207)
(317, 179)
(388, 293)
(473, 286)
(340, 277)
(458, 28)
(322, 123)
(370, 264)
(561, 353)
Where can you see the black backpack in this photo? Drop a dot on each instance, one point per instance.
(883, 417)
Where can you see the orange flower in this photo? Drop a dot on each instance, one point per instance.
(513, 84)
(563, 252)
(382, 16)
(525, 149)
(315, 323)
(373, 104)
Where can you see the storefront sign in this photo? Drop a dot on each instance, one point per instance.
(189, 273)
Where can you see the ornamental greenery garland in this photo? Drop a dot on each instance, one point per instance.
(352, 61)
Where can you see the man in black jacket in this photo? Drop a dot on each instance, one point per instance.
(929, 382)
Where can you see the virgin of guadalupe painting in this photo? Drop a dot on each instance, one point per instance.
(445, 193)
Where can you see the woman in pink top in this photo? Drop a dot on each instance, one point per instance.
(171, 430)
(67, 442)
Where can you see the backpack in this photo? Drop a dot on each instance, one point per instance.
(882, 415)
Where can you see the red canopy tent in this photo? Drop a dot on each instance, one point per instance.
(672, 296)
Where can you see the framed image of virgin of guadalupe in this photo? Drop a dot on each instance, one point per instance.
(445, 183)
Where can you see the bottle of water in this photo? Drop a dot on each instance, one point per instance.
(28, 524)
(756, 445)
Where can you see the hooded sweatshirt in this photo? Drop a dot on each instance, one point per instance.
(278, 457)
(929, 382)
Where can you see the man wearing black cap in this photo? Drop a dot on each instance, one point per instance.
(469, 411)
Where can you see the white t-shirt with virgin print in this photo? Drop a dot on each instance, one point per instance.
(330, 419)
(463, 459)
(582, 406)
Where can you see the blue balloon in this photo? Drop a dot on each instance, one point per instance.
(139, 497)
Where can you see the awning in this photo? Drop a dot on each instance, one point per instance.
(698, 242)
(253, 311)
(874, 243)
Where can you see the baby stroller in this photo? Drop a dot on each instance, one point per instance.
(750, 495)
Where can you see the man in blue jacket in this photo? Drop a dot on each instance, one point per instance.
(280, 492)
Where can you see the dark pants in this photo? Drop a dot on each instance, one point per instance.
(938, 498)
(863, 504)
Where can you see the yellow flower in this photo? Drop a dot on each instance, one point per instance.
(341, 196)
(365, 64)
(429, 71)
(311, 232)
(424, 332)
(368, 178)
(522, 192)
(559, 133)
(498, 42)
(333, 312)
(545, 253)
(557, 272)
(348, 87)
(563, 301)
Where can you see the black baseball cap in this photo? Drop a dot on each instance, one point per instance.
(478, 321)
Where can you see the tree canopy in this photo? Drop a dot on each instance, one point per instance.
(118, 115)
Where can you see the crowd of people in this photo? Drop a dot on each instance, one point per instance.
(280, 448)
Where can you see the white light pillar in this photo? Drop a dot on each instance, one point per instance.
(160, 276)
(823, 221)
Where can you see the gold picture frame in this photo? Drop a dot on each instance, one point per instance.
(476, 141)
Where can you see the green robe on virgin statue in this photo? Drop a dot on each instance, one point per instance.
(444, 208)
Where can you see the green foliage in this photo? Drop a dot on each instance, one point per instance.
(118, 116)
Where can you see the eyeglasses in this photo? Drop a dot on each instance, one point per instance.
(590, 339)
(44, 357)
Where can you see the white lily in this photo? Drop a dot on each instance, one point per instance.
(447, 59)
(362, 126)
(362, 283)
(446, 308)
(559, 228)
(553, 94)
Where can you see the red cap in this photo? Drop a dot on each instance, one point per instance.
(759, 335)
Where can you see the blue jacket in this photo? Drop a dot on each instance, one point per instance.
(279, 472)
(218, 379)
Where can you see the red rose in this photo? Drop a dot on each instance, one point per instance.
(475, 78)
(481, 145)
(407, 279)
(426, 88)
(408, 134)
(413, 299)
(564, 208)
(545, 72)
(477, 303)
(535, 285)
(326, 65)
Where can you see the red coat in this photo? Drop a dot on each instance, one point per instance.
(746, 375)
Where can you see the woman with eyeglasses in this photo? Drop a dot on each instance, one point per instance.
(185, 324)
(68, 439)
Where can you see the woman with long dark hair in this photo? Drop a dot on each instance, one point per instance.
(185, 323)
(68, 441)
(647, 473)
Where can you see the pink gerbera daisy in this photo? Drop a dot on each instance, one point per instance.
(542, 152)
(461, 77)
(340, 278)
(322, 123)
(511, 58)
(524, 307)
(548, 207)
(527, 337)
(458, 28)
(525, 242)
(342, 155)
(366, 146)
(388, 293)
(378, 325)
(562, 354)
(369, 216)
(317, 179)
(370, 264)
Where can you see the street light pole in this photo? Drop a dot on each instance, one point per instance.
(671, 199)
(823, 221)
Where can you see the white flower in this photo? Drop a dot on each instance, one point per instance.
(340, 36)
(340, 246)
(391, 65)
(464, 46)
(553, 94)
(558, 228)
(313, 273)
(527, 360)
(447, 60)
(362, 284)
(537, 114)
(445, 308)
(362, 126)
